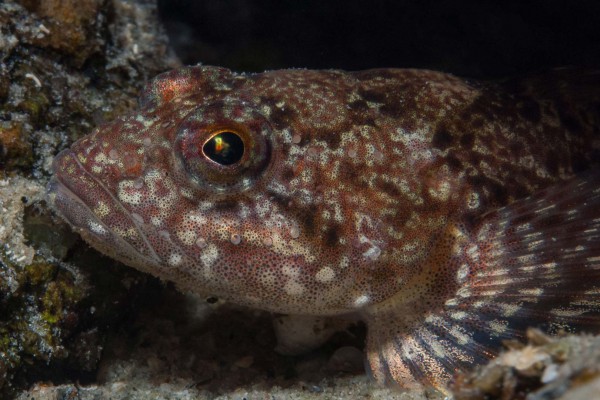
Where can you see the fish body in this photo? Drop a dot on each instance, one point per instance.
(398, 195)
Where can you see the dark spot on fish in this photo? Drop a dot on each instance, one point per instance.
(454, 163)
(281, 117)
(226, 205)
(358, 105)
(348, 171)
(307, 218)
(442, 139)
(496, 193)
(373, 96)
(360, 113)
(471, 220)
(398, 109)
(389, 188)
(279, 199)
(331, 138)
(288, 174)
(370, 121)
(331, 236)
(467, 140)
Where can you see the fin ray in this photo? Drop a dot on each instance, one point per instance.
(535, 262)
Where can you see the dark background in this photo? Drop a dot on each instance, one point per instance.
(469, 38)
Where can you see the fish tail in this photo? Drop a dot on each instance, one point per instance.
(533, 263)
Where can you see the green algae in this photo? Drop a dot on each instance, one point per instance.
(65, 66)
(34, 315)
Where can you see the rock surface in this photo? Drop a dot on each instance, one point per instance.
(65, 66)
(565, 368)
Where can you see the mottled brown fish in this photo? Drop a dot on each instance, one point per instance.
(447, 213)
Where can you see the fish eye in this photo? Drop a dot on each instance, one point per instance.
(224, 148)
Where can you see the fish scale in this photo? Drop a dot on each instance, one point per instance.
(447, 213)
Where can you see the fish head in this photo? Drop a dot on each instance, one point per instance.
(271, 190)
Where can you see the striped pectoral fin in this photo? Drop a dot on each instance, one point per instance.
(534, 263)
(425, 354)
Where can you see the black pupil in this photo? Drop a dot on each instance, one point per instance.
(225, 148)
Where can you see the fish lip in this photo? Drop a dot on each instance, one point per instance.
(72, 208)
(59, 189)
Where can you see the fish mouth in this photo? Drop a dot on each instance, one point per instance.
(73, 191)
